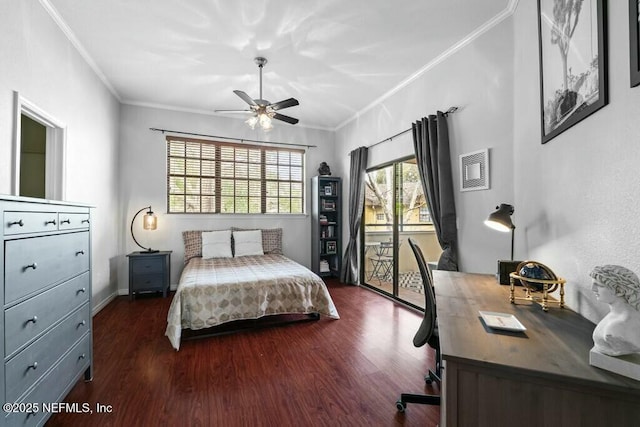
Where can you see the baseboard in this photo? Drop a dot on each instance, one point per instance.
(96, 308)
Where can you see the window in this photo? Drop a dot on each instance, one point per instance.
(380, 217)
(219, 177)
(425, 216)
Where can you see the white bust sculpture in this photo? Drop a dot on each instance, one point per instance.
(618, 333)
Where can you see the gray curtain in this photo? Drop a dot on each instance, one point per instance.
(431, 144)
(349, 273)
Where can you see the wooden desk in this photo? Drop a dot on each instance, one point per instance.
(540, 377)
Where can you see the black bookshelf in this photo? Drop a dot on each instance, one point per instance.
(326, 225)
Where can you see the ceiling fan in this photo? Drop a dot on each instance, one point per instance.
(262, 110)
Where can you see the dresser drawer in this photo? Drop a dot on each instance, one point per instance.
(27, 320)
(54, 384)
(70, 221)
(34, 263)
(34, 361)
(29, 222)
(147, 264)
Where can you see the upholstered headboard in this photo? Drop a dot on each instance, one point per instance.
(271, 241)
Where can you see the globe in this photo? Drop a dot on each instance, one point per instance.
(535, 270)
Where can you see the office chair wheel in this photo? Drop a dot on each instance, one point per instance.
(428, 379)
(401, 406)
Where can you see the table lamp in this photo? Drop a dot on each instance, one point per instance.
(501, 220)
(149, 222)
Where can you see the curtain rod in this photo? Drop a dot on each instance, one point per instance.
(232, 138)
(451, 110)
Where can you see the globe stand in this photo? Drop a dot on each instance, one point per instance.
(548, 286)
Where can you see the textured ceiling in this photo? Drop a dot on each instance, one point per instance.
(336, 57)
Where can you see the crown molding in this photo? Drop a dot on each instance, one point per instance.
(507, 12)
(55, 15)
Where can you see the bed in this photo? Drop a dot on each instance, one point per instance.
(216, 290)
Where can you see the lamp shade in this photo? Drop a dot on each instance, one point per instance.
(150, 221)
(252, 121)
(501, 219)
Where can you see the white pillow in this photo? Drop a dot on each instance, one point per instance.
(248, 242)
(216, 244)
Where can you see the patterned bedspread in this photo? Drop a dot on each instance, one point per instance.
(219, 290)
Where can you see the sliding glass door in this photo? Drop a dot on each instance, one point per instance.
(395, 210)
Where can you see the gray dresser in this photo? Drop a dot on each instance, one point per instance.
(46, 295)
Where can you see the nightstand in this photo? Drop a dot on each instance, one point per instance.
(149, 272)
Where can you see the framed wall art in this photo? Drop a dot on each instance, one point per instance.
(573, 62)
(634, 44)
(474, 170)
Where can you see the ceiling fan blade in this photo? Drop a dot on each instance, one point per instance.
(285, 118)
(233, 111)
(246, 98)
(291, 102)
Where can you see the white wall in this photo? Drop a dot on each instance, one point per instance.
(479, 80)
(575, 196)
(143, 160)
(41, 64)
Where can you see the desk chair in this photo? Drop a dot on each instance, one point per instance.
(427, 333)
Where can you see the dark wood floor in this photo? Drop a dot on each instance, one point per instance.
(346, 372)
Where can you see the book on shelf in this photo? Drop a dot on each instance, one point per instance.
(328, 205)
(328, 232)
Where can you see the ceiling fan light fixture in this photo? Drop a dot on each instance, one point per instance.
(263, 119)
(265, 122)
(263, 112)
(252, 121)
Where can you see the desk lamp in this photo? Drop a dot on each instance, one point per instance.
(149, 222)
(501, 220)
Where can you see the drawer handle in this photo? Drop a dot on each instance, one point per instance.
(65, 221)
(33, 366)
(84, 322)
(53, 222)
(34, 319)
(84, 220)
(34, 266)
(82, 356)
(80, 253)
(19, 222)
(81, 290)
